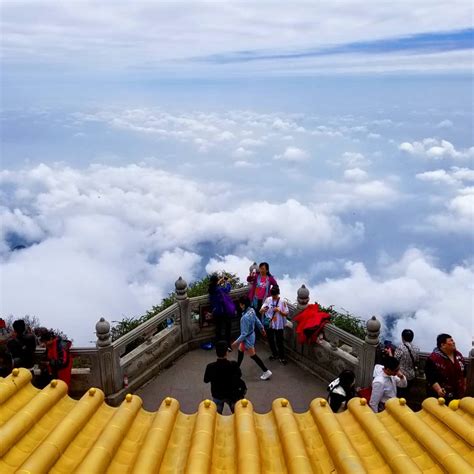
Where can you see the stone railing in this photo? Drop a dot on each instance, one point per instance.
(336, 350)
(127, 363)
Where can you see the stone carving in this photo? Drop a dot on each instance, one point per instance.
(181, 289)
(102, 330)
(373, 331)
(303, 296)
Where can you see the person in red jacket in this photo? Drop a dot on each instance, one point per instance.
(260, 285)
(59, 360)
(445, 370)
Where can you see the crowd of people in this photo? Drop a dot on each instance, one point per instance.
(18, 349)
(264, 310)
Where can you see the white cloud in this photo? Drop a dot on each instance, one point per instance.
(436, 176)
(433, 148)
(112, 240)
(245, 164)
(441, 301)
(445, 124)
(458, 215)
(230, 263)
(293, 154)
(249, 142)
(226, 136)
(241, 152)
(454, 176)
(169, 38)
(334, 196)
(355, 174)
(353, 160)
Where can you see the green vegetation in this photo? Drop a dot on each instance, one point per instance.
(197, 288)
(347, 322)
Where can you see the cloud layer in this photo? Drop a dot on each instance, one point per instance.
(111, 241)
(199, 38)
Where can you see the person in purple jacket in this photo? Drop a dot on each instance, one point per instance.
(260, 285)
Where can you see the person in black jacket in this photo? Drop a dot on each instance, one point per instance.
(225, 378)
(22, 346)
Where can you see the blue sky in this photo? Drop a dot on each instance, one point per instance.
(141, 142)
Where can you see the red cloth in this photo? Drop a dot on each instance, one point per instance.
(311, 322)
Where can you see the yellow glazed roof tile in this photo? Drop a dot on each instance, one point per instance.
(46, 431)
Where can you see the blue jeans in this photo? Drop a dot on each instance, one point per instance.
(220, 405)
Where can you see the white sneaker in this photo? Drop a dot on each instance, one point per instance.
(266, 375)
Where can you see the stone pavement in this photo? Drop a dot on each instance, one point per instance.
(184, 381)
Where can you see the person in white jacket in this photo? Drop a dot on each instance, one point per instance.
(387, 378)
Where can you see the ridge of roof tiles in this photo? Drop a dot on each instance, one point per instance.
(46, 431)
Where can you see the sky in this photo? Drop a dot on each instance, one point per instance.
(150, 140)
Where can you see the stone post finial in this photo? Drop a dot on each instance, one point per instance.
(303, 296)
(181, 289)
(102, 330)
(373, 331)
(253, 268)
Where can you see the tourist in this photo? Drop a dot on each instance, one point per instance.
(246, 341)
(386, 380)
(275, 311)
(222, 306)
(22, 346)
(6, 363)
(225, 378)
(341, 390)
(58, 363)
(407, 355)
(260, 285)
(445, 370)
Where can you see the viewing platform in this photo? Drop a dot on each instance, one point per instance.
(139, 405)
(184, 381)
(45, 431)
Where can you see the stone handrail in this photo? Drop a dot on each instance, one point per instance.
(127, 363)
(336, 351)
(146, 329)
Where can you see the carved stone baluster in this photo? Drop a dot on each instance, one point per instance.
(367, 354)
(102, 330)
(184, 314)
(373, 331)
(110, 374)
(302, 297)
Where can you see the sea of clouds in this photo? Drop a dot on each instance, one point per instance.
(358, 209)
